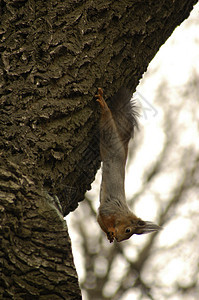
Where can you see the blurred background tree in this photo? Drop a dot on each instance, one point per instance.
(162, 185)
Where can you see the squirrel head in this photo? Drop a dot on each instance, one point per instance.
(125, 228)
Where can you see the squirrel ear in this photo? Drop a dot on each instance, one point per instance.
(141, 223)
(146, 227)
(138, 222)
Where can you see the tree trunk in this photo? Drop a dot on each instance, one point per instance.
(54, 55)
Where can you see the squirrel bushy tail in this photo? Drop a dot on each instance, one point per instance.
(125, 114)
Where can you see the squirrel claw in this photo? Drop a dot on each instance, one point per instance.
(101, 100)
(100, 91)
(110, 236)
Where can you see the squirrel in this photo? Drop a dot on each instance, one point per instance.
(116, 128)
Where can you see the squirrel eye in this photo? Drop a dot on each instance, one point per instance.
(128, 230)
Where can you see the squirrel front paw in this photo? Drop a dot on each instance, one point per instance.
(111, 236)
(107, 224)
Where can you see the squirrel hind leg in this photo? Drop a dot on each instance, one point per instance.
(101, 100)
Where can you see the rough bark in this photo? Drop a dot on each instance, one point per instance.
(54, 55)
